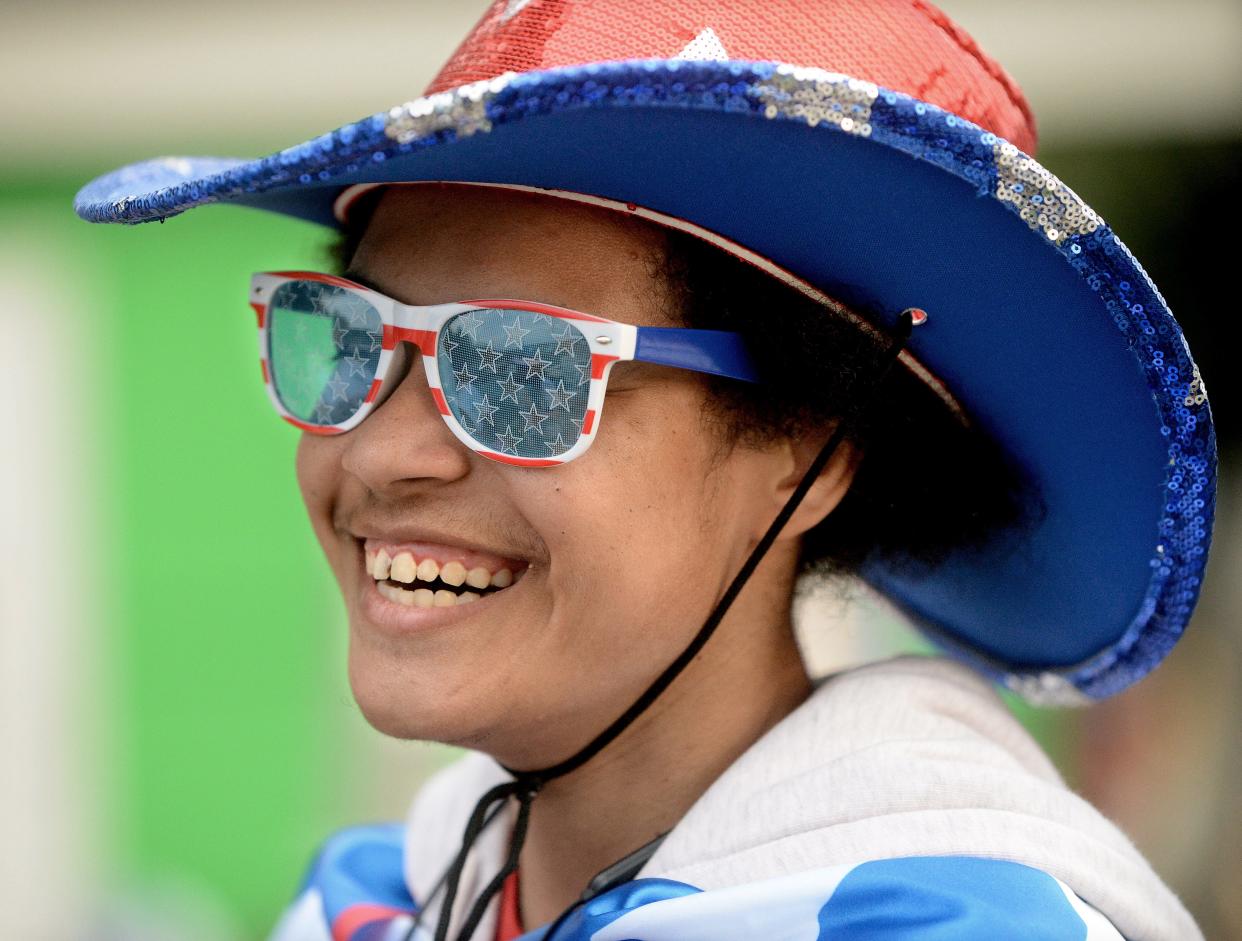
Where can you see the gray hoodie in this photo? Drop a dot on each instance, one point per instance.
(911, 757)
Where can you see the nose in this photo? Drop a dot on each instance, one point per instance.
(404, 439)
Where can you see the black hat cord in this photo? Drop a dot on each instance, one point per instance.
(527, 784)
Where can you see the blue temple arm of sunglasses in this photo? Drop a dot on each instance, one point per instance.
(712, 351)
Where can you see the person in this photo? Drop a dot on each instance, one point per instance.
(845, 327)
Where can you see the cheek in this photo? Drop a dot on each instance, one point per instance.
(651, 546)
(318, 471)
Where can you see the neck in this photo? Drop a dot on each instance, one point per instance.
(745, 680)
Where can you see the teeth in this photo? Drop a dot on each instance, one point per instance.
(382, 562)
(403, 567)
(424, 597)
(395, 594)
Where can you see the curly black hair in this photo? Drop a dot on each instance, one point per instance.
(929, 482)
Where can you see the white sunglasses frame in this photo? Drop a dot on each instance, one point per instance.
(609, 341)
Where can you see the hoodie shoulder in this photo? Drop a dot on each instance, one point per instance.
(911, 757)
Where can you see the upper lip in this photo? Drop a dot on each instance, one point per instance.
(397, 535)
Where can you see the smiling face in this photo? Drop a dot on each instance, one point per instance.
(617, 556)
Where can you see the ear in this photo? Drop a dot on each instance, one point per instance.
(827, 490)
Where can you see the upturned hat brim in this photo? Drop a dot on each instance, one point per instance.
(1042, 324)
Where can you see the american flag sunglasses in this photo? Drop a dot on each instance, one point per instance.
(515, 381)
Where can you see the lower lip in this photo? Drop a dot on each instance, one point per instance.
(398, 618)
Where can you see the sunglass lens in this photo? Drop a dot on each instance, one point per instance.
(323, 350)
(516, 380)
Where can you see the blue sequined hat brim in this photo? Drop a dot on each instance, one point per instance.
(1043, 325)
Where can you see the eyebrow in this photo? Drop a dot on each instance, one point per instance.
(352, 274)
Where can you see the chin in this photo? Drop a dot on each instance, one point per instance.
(388, 718)
(398, 708)
(411, 720)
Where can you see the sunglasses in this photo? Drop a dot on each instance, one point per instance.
(516, 381)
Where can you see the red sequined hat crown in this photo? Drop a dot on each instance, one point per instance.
(904, 45)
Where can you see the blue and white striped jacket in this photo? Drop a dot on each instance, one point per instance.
(901, 801)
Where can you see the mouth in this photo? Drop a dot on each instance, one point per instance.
(426, 575)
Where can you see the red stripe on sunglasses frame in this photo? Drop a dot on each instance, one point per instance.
(521, 461)
(562, 313)
(313, 429)
(321, 278)
(599, 362)
(425, 340)
(588, 422)
(438, 394)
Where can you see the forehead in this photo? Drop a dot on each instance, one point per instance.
(434, 243)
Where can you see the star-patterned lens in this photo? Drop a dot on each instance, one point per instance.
(323, 350)
(516, 380)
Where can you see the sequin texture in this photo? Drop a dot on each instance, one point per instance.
(463, 111)
(1180, 551)
(1044, 203)
(817, 97)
